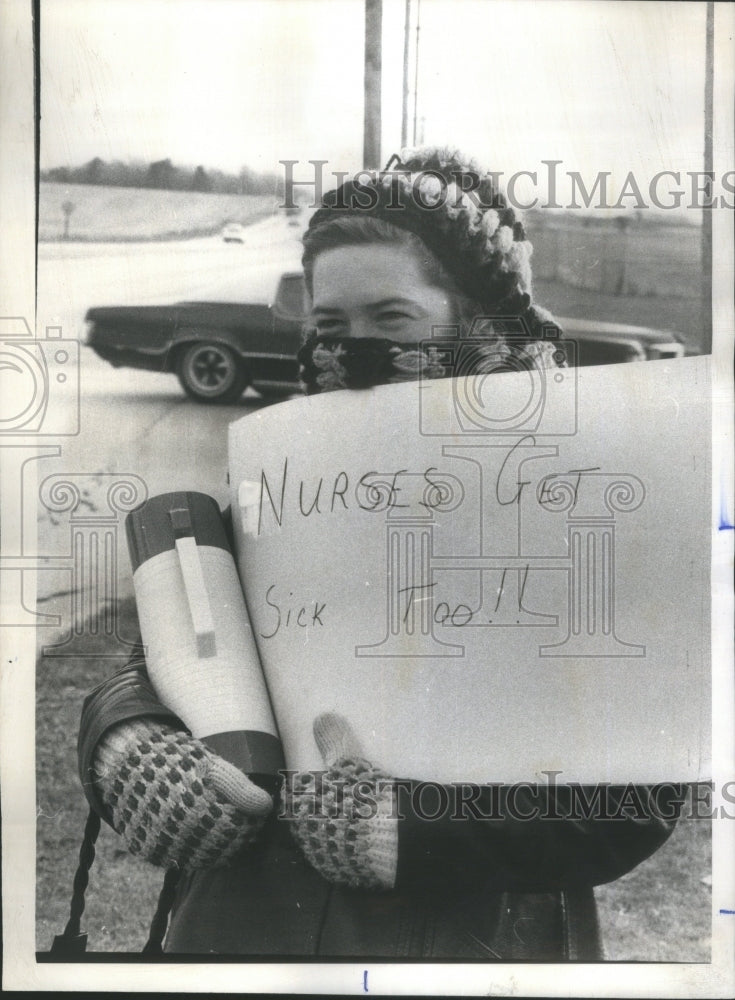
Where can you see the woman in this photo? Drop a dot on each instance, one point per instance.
(386, 259)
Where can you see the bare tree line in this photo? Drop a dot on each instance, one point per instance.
(165, 175)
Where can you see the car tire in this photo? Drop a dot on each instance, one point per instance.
(211, 373)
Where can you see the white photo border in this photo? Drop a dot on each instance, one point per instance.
(17, 696)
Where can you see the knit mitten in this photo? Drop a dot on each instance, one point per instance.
(172, 800)
(344, 819)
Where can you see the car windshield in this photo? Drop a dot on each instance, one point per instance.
(292, 295)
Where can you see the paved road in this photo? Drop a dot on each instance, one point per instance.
(134, 422)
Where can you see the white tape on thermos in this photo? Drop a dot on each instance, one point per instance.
(200, 652)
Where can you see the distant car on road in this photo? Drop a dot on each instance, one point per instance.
(293, 214)
(234, 232)
(220, 347)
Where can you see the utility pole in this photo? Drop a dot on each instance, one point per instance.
(416, 71)
(709, 73)
(373, 80)
(406, 51)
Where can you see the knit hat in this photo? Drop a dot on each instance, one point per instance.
(461, 216)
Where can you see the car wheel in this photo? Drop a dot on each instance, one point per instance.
(211, 373)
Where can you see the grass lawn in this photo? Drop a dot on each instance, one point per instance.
(661, 911)
(682, 315)
(663, 264)
(128, 214)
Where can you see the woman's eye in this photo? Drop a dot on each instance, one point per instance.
(328, 325)
(394, 316)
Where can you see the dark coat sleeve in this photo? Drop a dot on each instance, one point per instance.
(529, 838)
(125, 696)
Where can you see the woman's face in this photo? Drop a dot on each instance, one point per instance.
(376, 290)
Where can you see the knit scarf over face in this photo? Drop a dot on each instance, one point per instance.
(331, 362)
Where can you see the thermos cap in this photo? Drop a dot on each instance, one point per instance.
(154, 526)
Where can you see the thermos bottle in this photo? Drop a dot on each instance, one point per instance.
(200, 652)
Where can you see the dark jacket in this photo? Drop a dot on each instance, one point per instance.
(485, 885)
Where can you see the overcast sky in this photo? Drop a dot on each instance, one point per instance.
(600, 85)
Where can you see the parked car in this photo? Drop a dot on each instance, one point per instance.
(234, 232)
(218, 348)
